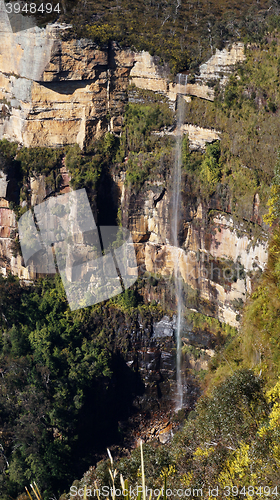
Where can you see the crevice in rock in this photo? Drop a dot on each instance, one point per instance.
(67, 86)
(145, 237)
(159, 198)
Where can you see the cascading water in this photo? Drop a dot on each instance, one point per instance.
(175, 229)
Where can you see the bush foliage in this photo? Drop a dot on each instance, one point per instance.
(59, 368)
(181, 34)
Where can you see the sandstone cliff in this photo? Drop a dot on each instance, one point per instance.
(63, 92)
(149, 75)
(56, 92)
(218, 255)
(59, 92)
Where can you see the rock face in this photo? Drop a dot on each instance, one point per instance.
(57, 92)
(5, 26)
(39, 189)
(217, 256)
(220, 65)
(198, 136)
(151, 353)
(60, 92)
(147, 74)
(164, 328)
(26, 53)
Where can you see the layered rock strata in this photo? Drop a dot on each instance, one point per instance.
(56, 92)
(67, 97)
(221, 64)
(218, 257)
(198, 136)
(147, 74)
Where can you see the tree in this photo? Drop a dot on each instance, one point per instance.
(274, 199)
(210, 170)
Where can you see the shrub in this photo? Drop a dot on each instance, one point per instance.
(8, 149)
(39, 160)
(210, 170)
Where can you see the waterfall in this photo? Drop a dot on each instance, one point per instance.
(174, 231)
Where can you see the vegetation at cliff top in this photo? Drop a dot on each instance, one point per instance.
(62, 370)
(182, 33)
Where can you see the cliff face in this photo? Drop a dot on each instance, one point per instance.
(147, 74)
(218, 256)
(57, 92)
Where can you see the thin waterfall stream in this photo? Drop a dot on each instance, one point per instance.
(180, 113)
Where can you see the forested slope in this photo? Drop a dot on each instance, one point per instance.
(181, 33)
(64, 383)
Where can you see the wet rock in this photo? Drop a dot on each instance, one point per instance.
(149, 360)
(3, 184)
(165, 434)
(168, 361)
(164, 328)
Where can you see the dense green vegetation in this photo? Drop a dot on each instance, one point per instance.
(39, 160)
(206, 173)
(140, 121)
(61, 371)
(181, 34)
(64, 382)
(8, 149)
(230, 442)
(49, 362)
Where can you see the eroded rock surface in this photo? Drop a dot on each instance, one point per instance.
(218, 256)
(59, 92)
